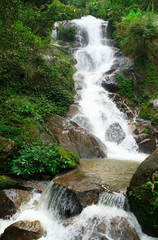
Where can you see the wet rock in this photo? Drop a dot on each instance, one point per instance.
(79, 140)
(115, 133)
(18, 196)
(86, 188)
(83, 121)
(141, 194)
(110, 84)
(73, 110)
(102, 228)
(63, 202)
(23, 230)
(122, 104)
(145, 135)
(7, 148)
(7, 207)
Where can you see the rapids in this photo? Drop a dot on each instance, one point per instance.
(97, 112)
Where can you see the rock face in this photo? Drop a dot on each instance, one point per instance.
(145, 135)
(23, 230)
(7, 207)
(115, 133)
(79, 140)
(142, 194)
(102, 229)
(7, 147)
(146, 170)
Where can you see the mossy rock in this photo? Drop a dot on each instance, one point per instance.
(7, 182)
(143, 194)
(7, 147)
(68, 154)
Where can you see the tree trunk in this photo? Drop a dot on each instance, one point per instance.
(153, 6)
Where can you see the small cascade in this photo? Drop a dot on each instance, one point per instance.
(114, 200)
(97, 112)
(60, 201)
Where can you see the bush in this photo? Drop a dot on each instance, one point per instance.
(34, 160)
(125, 86)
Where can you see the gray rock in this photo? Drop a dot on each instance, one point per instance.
(115, 133)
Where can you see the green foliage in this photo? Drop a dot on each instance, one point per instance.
(125, 86)
(144, 201)
(35, 160)
(6, 182)
(67, 34)
(136, 33)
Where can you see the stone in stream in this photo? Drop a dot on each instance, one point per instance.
(115, 133)
(23, 230)
(7, 207)
(142, 194)
(79, 140)
(72, 192)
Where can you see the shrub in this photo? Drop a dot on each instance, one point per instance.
(32, 160)
(125, 86)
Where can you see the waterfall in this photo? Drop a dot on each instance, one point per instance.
(97, 112)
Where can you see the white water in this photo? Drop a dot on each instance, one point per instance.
(83, 225)
(97, 112)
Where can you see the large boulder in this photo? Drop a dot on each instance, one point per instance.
(7, 207)
(79, 140)
(7, 147)
(86, 188)
(143, 194)
(23, 230)
(71, 192)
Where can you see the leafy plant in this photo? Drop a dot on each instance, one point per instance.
(125, 86)
(34, 160)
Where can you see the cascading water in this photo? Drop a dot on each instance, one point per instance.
(97, 112)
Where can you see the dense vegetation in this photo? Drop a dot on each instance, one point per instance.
(36, 77)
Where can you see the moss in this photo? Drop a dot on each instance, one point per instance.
(144, 203)
(6, 182)
(68, 154)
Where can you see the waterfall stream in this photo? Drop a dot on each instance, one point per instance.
(97, 112)
(99, 115)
